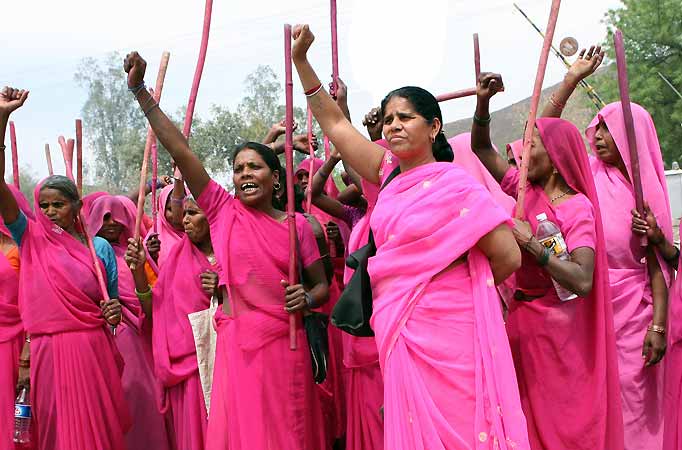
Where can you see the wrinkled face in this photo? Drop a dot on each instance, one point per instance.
(607, 150)
(111, 230)
(58, 208)
(540, 167)
(302, 179)
(408, 133)
(253, 179)
(195, 223)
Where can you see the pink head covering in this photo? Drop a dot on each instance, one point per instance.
(168, 235)
(121, 212)
(330, 187)
(517, 149)
(651, 168)
(464, 156)
(567, 153)
(89, 199)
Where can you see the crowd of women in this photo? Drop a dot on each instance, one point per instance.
(484, 336)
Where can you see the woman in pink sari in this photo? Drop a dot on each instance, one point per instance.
(263, 394)
(639, 275)
(76, 393)
(448, 374)
(14, 351)
(169, 303)
(564, 351)
(160, 244)
(113, 218)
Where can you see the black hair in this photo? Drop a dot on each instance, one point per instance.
(272, 161)
(426, 105)
(64, 185)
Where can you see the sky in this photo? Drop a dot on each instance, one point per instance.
(383, 44)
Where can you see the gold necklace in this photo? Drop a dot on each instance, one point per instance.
(563, 194)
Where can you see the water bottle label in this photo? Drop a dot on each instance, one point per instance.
(22, 411)
(555, 243)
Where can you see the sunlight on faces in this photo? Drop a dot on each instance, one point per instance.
(396, 43)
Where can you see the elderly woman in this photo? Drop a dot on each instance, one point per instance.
(273, 404)
(76, 393)
(564, 350)
(437, 318)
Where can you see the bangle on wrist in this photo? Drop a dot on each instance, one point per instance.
(25, 363)
(543, 258)
(177, 201)
(136, 89)
(656, 329)
(144, 295)
(313, 91)
(482, 121)
(310, 301)
(557, 104)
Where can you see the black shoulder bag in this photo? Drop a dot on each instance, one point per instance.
(354, 308)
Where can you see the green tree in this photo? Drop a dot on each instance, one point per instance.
(114, 126)
(652, 31)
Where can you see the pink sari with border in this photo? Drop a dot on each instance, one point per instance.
(263, 396)
(71, 345)
(11, 332)
(565, 353)
(141, 388)
(449, 380)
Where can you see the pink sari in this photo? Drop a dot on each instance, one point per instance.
(71, 345)
(565, 352)
(168, 235)
(263, 394)
(672, 434)
(641, 387)
(133, 336)
(175, 358)
(448, 373)
(11, 333)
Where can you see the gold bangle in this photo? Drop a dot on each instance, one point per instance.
(144, 295)
(656, 329)
(556, 103)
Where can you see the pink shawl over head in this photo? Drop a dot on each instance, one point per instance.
(330, 186)
(168, 235)
(174, 297)
(89, 199)
(10, 322)
(652, 172)
(122, 211)
(423, 242)
(597, 394)
(517, 150)
(58, 287)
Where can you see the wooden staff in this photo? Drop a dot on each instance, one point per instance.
(67, 153)
(535, 100)
(335, 50)
(456, 94)
(79, 156)
(155, 179)
(311, 152)
(289, 158)
(477, 57)
(48, 158)
(151, 139)
(15, 155)
(624, 88)
(187, 128)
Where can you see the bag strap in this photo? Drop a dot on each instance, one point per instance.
(390, 178)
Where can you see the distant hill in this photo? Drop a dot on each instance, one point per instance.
(508, 123)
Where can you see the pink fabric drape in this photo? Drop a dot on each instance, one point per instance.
(141, 388)
(168, 235)
(274, 403)
(174, 297)
(449, 379)
(566, 351)
(672, 430)
(77, 395)
(641, 387)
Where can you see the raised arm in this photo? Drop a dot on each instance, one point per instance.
(362, 155)
(324, 202)
(172, 139)
(488, 85)
(10, 100)
(588, 61)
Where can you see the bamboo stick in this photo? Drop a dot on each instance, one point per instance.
(289, 157)
(532, 116)
(477, 57)
(335, 49)
(456, 94)
(15, 155)
(79, 156)
(48, 158)
(311, 152)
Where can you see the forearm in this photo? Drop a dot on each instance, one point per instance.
(555, 107)
(176, 199)
(567, 273)
(271, 137)
(322, 175)
(175, 143)
(319, 294)
(659, 290)
(669, 252)
(344, 109)
(142, 287)
(355, 178)
(8, 205)
(481, 144)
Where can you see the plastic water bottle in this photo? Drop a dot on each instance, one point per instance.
(22, 419)
(550, 237)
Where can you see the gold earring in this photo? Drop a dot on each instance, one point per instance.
(277, 185)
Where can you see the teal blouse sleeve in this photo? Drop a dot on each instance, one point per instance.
(106, 254)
